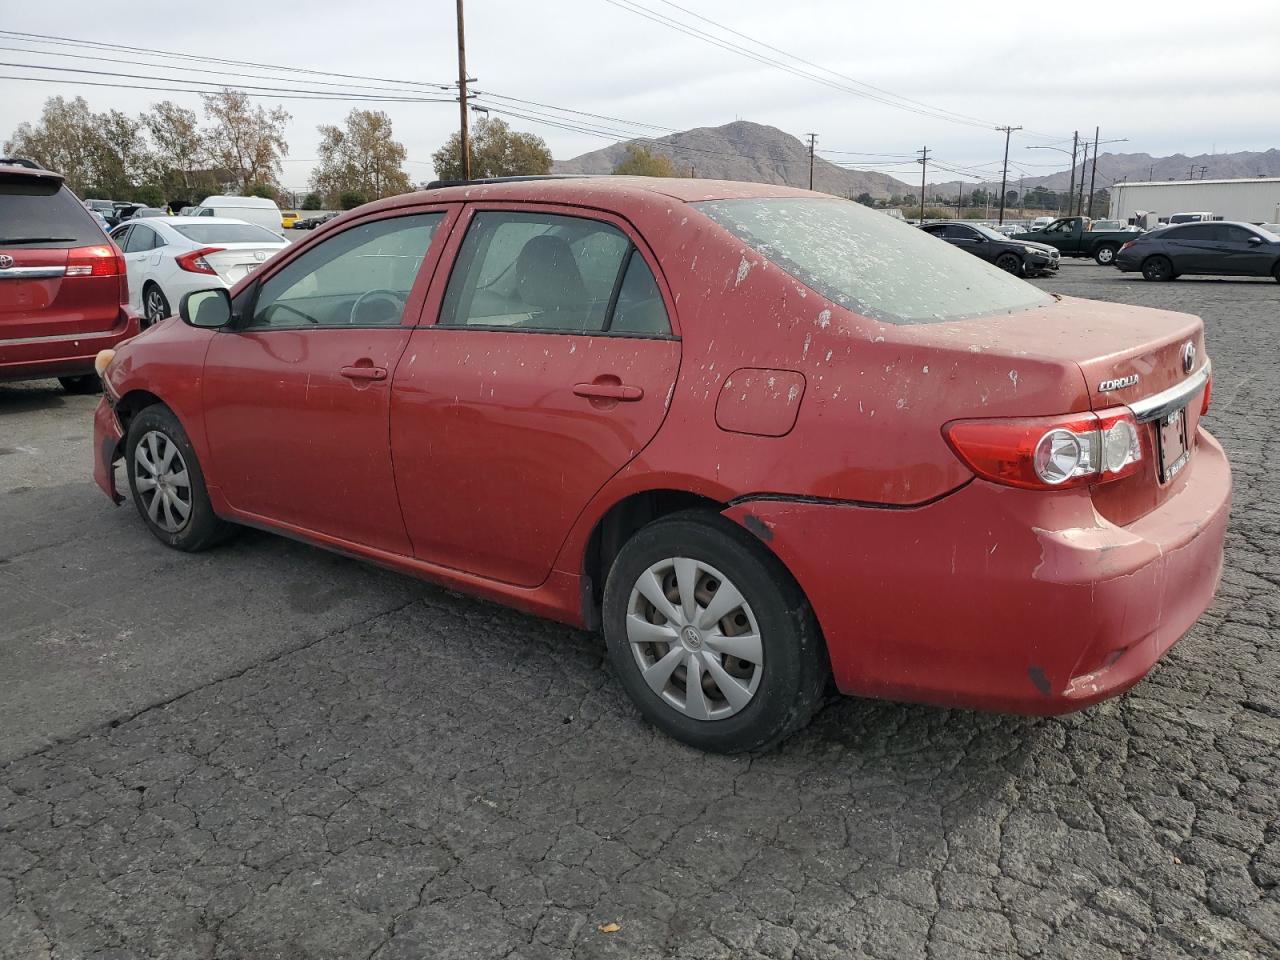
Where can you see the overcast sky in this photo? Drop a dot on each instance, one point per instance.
(1179, 76)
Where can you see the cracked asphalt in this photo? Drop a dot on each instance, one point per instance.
(267, 751)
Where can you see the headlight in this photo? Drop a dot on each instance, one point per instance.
(102, 361)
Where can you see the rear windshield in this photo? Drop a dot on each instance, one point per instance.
(871, 263)
(225, 233)
(43, 213)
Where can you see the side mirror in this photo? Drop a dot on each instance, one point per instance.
(1255, 241)
(209, 309)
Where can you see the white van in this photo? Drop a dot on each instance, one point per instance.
(257, 210)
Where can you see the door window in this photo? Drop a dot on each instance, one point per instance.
(1195, 232)
(141, 239)
(360, 277)
(539, 271)
(120, 235)
(1236, 234)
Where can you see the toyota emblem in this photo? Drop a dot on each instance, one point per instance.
(6, 261)
(1188, 357)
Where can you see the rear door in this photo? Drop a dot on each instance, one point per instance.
(1194, 248)
(548, 369)
(142, 251)
(44, 230)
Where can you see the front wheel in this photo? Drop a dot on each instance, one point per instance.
(1010, 263)
(1157, 268)
(167, 483)
(155, 306)
(710, 636)
(1105, 255)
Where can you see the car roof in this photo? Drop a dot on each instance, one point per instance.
(14, 170)
(606, 192)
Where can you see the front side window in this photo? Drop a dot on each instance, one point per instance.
(360, 277)
(871, 263)
(540, 271)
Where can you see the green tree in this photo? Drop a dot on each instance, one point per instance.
(350, 199)
(245, 141)
(865, 199)
(496, 151)
(178, 159)
(363, 157)
(152, 194)
(311, 202)
(65, 139)
(641, 162)
(123, 158)
(264, 190)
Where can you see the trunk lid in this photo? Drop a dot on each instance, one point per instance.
(234, 261)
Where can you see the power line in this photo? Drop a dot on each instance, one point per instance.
(300, 95)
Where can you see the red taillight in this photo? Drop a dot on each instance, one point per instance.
(100, 261)
(1208, 395)
(1049, 453)
(103, 260)
(195, 262)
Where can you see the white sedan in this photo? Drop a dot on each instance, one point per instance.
(168, 257)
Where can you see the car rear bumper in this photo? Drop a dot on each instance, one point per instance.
(107, 437)
(34, 358)
(1003, 599)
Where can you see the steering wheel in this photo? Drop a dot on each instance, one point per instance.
(396, 300)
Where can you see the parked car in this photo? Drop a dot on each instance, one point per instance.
(289, 220)
(1039, 223)
(760, 436)
(1217, 248)
(1196, 217)
(1007, 229)
(169, 258)
(103, 208)
(143, 213)
(310, 223)
(1112, 226)
(124, 210)
(257, 210)
(1070, 237)
(63, 291)
(1012, 256)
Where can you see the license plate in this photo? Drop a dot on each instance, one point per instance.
(1172, 443)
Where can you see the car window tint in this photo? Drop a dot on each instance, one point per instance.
(43, 213)
(361, 276)
(140, 240)
(1194, 232)
(1236, 234)
(534, 271)
(226, 233)
(957, 232)
(639, 308)
(120, 235)
(870, 263)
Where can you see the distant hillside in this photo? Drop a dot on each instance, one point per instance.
(752, 151)
(745, 151)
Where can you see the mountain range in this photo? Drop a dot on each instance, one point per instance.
(752, 151)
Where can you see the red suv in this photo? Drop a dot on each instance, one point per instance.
(63, 289)
(759, 436)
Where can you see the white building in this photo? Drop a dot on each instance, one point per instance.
(1253, 200)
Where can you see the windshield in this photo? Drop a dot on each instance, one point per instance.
(988, 232)
(871, 263)
(226, 233)
(1269, 231)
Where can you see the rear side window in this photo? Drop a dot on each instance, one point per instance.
(1193, 232)
(870, 263)
(141, 239)
(43, 213)
(538, 271)
(225, 233)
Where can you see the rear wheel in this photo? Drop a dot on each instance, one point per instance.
(1157, 268)
(1105, 255)
(167, 484)
(710, 636)
(155, 306)
(89, 383)
(1010, 263)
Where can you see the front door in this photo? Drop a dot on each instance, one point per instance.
(296, 396)
(549, 369)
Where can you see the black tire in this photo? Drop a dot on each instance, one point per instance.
(1157, 268)
(201, 528)
(1105, 255)
(793, 666)
(155, 305)
(1275, 272)
(1010, 263)
(88, 383)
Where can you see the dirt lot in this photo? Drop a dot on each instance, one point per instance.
(268, 751)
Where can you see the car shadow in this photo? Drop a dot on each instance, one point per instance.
(30, 396)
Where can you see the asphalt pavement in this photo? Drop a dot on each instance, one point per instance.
(268, 751)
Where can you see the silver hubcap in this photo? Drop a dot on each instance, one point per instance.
(695, 639)
(155, 306)
(1105, 255)
(160, 475)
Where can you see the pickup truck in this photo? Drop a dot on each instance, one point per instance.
(1072, 239)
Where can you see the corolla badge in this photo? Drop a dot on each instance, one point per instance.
(1188, 357)
(6, 261)
(1119, 383)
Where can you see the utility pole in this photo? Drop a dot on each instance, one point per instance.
(1093, 174)
(1192, 174)
(813, 138)
(924, 167)
(1004, 171)
(464, 134)
(1203, 171)
(1071, 190)
(960, 200)
(1084, 159)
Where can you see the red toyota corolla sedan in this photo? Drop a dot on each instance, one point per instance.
(759, 436)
